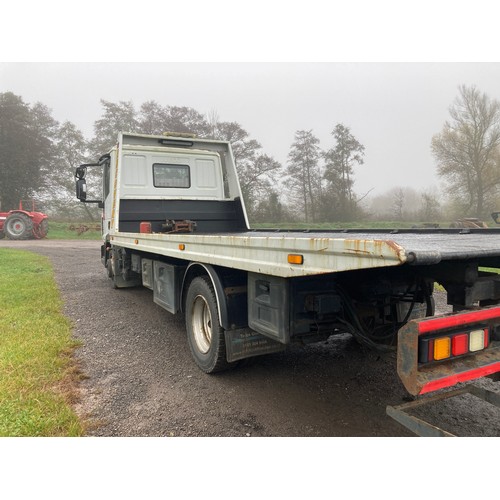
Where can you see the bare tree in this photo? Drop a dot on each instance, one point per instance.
(339, 173)
(399, 203)
(430, 208)
(467, 150)
(304, 178)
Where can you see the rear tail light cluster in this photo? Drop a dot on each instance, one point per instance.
(443, 346)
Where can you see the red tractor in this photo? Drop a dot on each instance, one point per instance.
(21, 224)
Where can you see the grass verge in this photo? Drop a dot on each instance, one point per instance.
(38, 375)
(74, 230)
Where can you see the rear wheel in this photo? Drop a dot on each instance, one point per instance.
(42, 229)
(18, 227)
(205, 334)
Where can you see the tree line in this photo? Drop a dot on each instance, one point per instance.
(39, 155)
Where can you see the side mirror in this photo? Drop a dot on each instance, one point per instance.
(81, 189)
(81, 184)
(496, 216)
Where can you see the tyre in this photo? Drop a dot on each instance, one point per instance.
(205, 334)
(2, 235)
(18, 227)
(118, 269)
(41, 230)
(109, 268)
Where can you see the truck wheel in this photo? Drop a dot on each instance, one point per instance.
(18, 227)
(109, 268)
(205, 334)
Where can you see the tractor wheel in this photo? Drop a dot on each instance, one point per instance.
(18, 227)
(41, 230)
(2, 235)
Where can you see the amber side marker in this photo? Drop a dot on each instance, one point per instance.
(295, 259)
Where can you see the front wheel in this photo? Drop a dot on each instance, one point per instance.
(205, 334)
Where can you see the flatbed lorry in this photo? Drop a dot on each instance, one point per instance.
(174, 221)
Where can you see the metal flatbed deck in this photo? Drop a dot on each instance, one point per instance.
(424, 246)
(266, 251)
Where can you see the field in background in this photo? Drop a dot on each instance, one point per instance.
(92, 230)
(343, 225)
(74, 230)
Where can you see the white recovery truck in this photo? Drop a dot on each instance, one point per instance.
(174, 221)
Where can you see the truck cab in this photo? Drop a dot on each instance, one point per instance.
(180, 176)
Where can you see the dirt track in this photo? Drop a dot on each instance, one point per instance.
(142, 381)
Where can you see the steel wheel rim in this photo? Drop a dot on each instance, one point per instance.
(16, 226)
(202, 324)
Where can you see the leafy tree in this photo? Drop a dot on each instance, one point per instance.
(157, 119)
(339, 174)
(467, 151)
(187, 120)
(117, 117)
(71, 150)
(271, 209)
(304, 178)
(41, 119)
(256, 171)
(26, 141)
(152, 118)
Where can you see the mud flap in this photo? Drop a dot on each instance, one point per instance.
(245, 343)
(422, 428)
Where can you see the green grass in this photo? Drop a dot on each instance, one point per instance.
(73, 230)
(38, 375)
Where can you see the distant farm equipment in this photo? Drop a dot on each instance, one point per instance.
(470, 223)
(83, 228)
(21, 224)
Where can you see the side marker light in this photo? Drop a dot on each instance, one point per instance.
(295, 259)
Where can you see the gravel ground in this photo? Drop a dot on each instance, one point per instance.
(142, 381)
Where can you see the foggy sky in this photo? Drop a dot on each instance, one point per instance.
(393, 109)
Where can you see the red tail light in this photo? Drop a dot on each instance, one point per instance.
(442, 346)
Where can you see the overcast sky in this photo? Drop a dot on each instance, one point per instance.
(392, 108)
